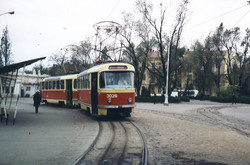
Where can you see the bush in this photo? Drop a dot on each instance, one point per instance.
(174, 99)
(243, 99)
(157, 99)
(145, 92)
(185, 98)
(225, 92)
(201, 97)
(221, 99)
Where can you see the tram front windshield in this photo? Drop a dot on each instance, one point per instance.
(117, 79)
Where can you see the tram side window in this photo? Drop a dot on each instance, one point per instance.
(62, 84)
(81, 83)
(43, 85)
(85, 81)
(75, 84)
(46, 85)
(88, 82)
(102, 80)
(54, 85)
(50, 85)
(85, 84)
(78, 83)
(57, 85)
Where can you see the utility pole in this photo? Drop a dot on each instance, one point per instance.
(167, 76)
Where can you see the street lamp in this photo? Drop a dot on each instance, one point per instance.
(11, 12)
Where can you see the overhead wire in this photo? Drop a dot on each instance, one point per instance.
(241, 18)
(113, 10)
(211, 19)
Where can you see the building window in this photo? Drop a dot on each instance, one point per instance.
(152, 90)
(27, 88)
(159, 90)
(189, 78)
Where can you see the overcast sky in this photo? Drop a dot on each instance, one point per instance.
(41, 27)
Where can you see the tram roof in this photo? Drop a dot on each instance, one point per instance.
(62, 77)
(114, 66)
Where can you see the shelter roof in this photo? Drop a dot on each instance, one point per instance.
(13, 67)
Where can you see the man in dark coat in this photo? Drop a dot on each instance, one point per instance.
(233, 99)
(37, 99)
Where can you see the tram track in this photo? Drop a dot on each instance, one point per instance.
(117, 142)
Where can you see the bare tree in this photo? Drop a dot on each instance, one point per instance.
(157, 25)
(58, 59)
(175, 56)
(218, 53)
(135, 55)
(146, 9)
(72, 58)
(81, 53)
(229, 40)
(242, 57)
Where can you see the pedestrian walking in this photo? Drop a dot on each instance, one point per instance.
(154, 97)
(37, 99)
(233, 99)
(162, 98)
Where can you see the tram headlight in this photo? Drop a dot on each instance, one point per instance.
(130, 100)
(109, 100)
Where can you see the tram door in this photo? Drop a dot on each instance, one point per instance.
(94, 96)
(69, 92)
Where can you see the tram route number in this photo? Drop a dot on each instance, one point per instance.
(112, 95)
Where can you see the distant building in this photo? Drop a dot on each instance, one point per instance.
(30, 84)
(186, 78)
(149, 80)
(220, 66)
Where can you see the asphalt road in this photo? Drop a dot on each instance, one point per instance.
(53, 136)
(242, 113)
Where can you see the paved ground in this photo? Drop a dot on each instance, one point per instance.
(242, 112)
(195, 133)
(53, 136)
(59, 135)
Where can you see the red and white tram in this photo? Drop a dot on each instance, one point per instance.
(107, 89)
(60, 90)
